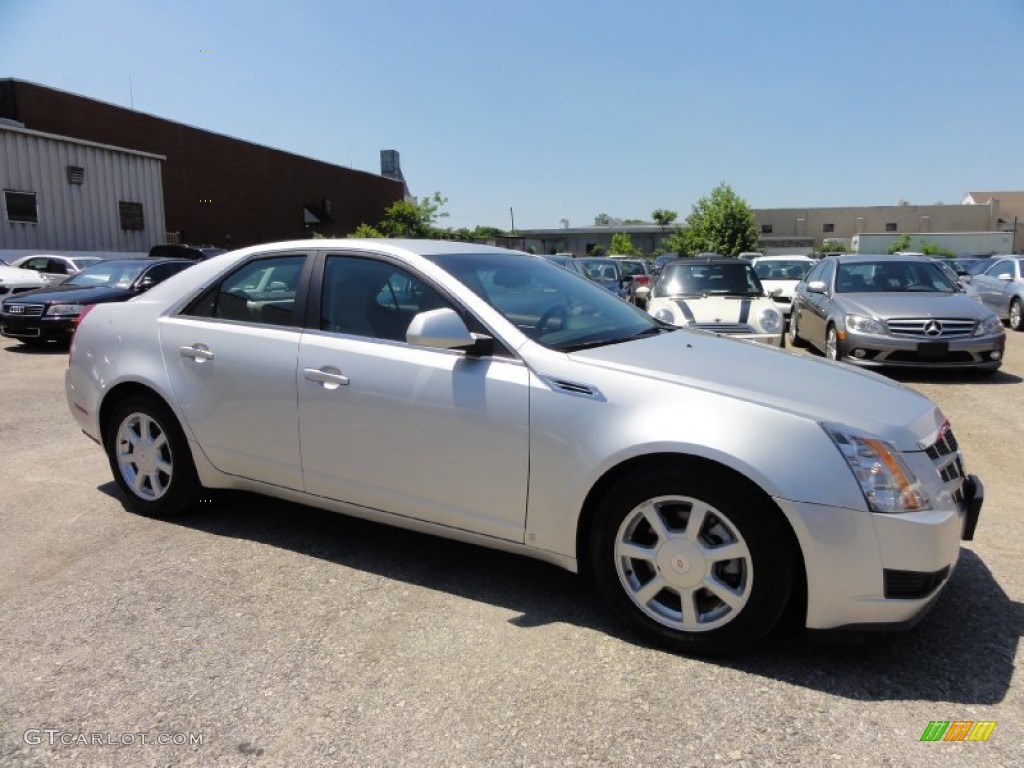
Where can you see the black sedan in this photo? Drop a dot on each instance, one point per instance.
(51, 314)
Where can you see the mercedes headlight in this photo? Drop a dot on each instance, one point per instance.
(861, 324)
(990, 324)
(65, 310)
(886, 481)
(771, 320)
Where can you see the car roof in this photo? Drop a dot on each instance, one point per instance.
(709, 260)
(864, 258)
(782, 257)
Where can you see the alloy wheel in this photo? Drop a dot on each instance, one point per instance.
(144, 456)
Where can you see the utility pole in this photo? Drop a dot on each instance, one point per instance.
(513, 215)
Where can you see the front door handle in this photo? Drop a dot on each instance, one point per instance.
(329, 376)
(197, 352)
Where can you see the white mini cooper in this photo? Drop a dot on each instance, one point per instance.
(716, 294)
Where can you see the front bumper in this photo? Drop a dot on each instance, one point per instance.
(41, 327)
(984, 352)
(872, 570)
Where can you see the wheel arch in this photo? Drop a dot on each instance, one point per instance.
(124, 390)
(686, 462)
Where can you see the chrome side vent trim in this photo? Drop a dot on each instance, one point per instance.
(575, 388)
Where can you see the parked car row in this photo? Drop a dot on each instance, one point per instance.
(707, 486)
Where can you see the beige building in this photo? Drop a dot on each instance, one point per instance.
(1011, 212)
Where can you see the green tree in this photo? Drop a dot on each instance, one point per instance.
(663, 217)
(414, 219)
(602, 220)
(901, 243)
(832, 246)
(623, 244)
(721, 223)
(364, 230)
(675, 242)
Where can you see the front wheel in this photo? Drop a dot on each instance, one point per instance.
(832, 351)
(150, 458)
(795, 339)
(1016, 318)
(691, 561)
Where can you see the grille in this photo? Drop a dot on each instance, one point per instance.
(905, 356)
(945, 454)
(931, 328)
(945, 445)
(29, 310)
(727, 328)
(912, 585)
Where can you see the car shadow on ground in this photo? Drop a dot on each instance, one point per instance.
(50, 348)
(962, 652)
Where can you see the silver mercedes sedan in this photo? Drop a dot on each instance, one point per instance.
(704, 484)
(894, 311)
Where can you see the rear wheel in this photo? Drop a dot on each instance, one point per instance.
(691, 561)
(150, 458)
(795, 339)
(1016, 318)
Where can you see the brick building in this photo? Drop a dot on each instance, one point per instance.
(216, 189)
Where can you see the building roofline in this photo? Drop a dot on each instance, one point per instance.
(192, 127)
(80, 142)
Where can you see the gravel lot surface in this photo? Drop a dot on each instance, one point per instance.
(279, 635)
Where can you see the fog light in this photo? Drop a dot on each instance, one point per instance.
(995, 355)
(860, 353)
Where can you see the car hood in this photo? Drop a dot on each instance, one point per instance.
(75, 294)
(814, 388)
(889, 305)
(724, 309)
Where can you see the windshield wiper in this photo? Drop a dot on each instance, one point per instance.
(652, 330)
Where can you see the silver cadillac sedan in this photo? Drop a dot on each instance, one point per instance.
(492, 397)
(894, 311)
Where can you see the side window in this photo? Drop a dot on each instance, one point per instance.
(815, 273)
(827, 270)
(161, 272)
(39, 265)
(56, 267)
(261, 291)
(365, 297)
(1001, 268)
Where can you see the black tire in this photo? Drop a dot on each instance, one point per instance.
(764, 574)
(168, 462)
(795, 340)
(1016, 315)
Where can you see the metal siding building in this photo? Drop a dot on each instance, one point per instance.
(79, 188)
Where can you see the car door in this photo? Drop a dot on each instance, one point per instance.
(432, 434)
(815, 307)
(231, 355)
(994, 284)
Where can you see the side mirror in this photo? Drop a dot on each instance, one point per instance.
(817, 286)
(146, 283)
(440, 329)
(775, 292)
(1007, 278)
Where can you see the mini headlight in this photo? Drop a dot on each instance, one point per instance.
(861, 324)
(771, 320)
(665, 315)
(65, 310)
(886, 481)
(991, 324)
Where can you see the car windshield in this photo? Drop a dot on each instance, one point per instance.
(782, 270)
(550, 305)
(632, 268)
(81, 262)
(114, 273)
(600, 269)
(888, 276)
(703, 279)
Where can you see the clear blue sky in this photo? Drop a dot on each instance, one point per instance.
(564, 109)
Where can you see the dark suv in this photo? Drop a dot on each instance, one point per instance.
(182, 251)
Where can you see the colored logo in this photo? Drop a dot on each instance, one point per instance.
(958, 730)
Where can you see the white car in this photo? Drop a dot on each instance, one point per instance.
(716, 294)
(493, 397)
(15, 280)
(780, 275)
(55, 268)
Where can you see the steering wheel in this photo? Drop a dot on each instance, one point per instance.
(559, 311)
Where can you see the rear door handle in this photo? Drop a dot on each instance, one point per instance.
(198, 352)
(329, 376)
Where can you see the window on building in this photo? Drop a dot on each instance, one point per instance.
(21, 206)
(766, 229)
(131, 215)
(890, 226)
(828, 227)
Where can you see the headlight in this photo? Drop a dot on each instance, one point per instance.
(885, 479)
(65, 310)
(991, 324)
(771, 321)
(861, 324)
(665, 315)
